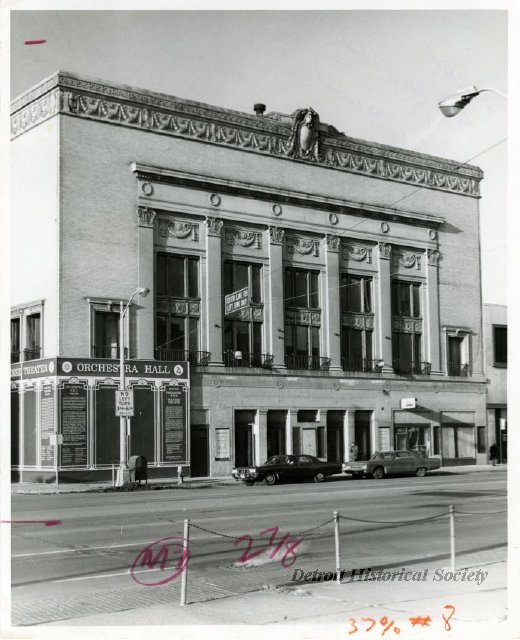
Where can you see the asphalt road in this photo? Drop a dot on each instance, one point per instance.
(101, 535)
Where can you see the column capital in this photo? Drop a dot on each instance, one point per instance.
(276, 235)
(333, 243)
(146, 217)
(433, 257)
(385, 250)
(214, 226)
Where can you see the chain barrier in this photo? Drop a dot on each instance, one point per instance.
(480, 513)
(440, 515)
(215, 533)
(304, 533)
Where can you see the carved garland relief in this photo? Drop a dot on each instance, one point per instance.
(179, 229)
(357, 253)
(247, 239)
(406, 259)
(303, 246)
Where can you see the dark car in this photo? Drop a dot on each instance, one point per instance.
(287, 467)
(387, 463)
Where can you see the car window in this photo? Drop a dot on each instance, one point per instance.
(387, 456)
(403, 454)
(273, 460)
(304, 460)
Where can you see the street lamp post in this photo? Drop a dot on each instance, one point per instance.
(452, 105)
(123, 474)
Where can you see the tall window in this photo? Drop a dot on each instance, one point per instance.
(15, 340)
(178, 308)
(456, 364)
(500, 346)
(407, 328)
(357, 323)
(106, 334)
(33, 339)
(302, 330)
(243, 329)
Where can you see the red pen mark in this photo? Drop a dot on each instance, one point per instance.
(35, 41)
(447, 625)
(423, 621)
(47, 523)
(164, 549)
(288, 555)
(384, 621)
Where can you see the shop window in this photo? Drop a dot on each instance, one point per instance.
(481, 440)
(458, 441)
(106, 334)
(500, 346)
(320, 442)
(307, 415)
(15, 340)
(436, 441)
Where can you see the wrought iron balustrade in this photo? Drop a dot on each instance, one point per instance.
(246, 359)
(195, 358)
(32, 354)
(407, 368)
(459, 370)
(364, 365)
(304, 362)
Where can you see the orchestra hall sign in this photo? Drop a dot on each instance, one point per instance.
(64, 416)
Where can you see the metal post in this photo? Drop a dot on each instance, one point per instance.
(452, 536)
(113, 483)
(179, 475)
(184, 578)
(123, 463)
(336, 538)
(57, 453)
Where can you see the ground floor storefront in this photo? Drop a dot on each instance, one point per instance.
(64, 418)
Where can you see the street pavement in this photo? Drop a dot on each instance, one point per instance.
(79, 572)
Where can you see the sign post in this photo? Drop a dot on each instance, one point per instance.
(125, 403)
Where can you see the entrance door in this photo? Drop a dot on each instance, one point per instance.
(199, 451)
(309, 441)
(244, 421)
(276, 432)
(335, 436)
(362, 433)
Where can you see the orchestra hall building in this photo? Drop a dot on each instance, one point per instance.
(306, 289)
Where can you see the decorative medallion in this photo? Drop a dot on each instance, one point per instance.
(146, 217)
(337, 385)
(248, 239)
(432, 234)
(215, 200)
(303, 246)
(279, 384)
(178, 229)
(276, 209)
(385, 250)
(304, 139)
(147, 188)
(214, 226)
(216, 382)
(333, 243)
(333, 218)
(385, 227)
(276, 235)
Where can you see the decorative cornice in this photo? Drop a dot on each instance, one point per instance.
(302, 246)
(333, 243)
(385, 250)
(123, 105)
(357, 253)
(146, 217)
(276, 235)
(179, 229)
(241, 238)
(214, 226)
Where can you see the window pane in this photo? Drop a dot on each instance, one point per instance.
(289, 290)
(404, 299)
(242, 337)
(193, 338)
(256, 283)
(405, 348)
(355, 343)
(354, 294)
(106, 334)
(417, 348)
(175, 277)
(436, 440)
(241, 276)
(465, 442)
(161, 275)
(228, 278)
(395, 346)
(33, 331)
(177, 332)
(416, 300)
(257, 337)
(302, 341)
(193, 278)
(160, 332)
(289, 339)
(368, 345)
(343, 298)
(368, 295)
(448, 442)
(315, 341)
(395, 298)
(314, 291)
(481, 440)
(15, 335)
(500, 335)
(454, 353)
(320, 437)
(300, 288)
(228, 335)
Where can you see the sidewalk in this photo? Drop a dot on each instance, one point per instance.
(199, 483)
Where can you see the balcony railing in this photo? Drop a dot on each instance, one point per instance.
(111, 353)
(15, 356)
(32, 354)
(460, 370)
(363, 365)
(408, 368)
(245, 359)
(313, 363)
(195, 358)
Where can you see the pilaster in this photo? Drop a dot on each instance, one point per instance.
(433, 330)
(213, 293)
(260, 431)
(145, 265)
(332, 303)
(384, 311)
(348, 433)
(274, 307)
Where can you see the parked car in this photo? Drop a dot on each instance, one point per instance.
(387, 463)
(287, 467)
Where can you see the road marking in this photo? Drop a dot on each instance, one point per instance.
(105, 575)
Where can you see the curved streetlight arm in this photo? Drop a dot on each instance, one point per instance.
(500, 93)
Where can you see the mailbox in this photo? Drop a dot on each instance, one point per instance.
(138, 467)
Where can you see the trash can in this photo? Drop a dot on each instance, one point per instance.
(138, 467)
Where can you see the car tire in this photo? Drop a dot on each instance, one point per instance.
(319, 477)
(421, 472)
(249, 483)
(378, 473)
(271, 479)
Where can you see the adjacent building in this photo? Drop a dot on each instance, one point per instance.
(310, 289)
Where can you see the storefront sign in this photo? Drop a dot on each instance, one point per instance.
(73, 423)
(133, 368)
(408, 403)
(33, 369)
(174, 424)
(47, 428)
(236, 300)
(222, 444)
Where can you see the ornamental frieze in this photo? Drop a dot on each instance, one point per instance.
(301, 139)
(179, 229)
(406, 325)
(406, 260)
(178, 306)
(255, 314)
(302, 246)
(303, 316)
(246, 239)
(357, 253)
(357, 321)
